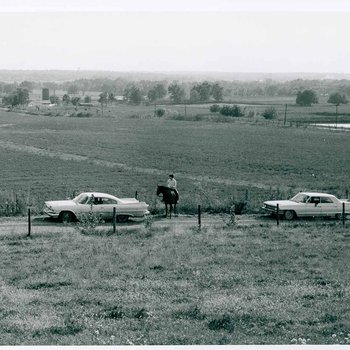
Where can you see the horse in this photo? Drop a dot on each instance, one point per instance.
(169, 198)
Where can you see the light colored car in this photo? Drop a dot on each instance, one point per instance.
(309, 204)
(101, 204)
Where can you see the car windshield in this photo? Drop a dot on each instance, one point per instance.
(300, 198)
(81, 198)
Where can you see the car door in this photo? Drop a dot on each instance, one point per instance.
(84, 206)
(312, 207)
(328, 207)
(97, 206)
(105, 207)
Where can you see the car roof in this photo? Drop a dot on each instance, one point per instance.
(317, 194)
(100, 194)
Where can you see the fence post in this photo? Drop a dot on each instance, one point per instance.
(246, 195)
(199, 217)
(114, 218)
(347, 194)
(285, 114)
(343, 217)
(135, 194)
(29, 223)
(278, 214)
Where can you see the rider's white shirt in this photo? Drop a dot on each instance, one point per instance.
(171, 183)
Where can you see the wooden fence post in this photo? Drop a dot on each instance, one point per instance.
(29, 223)
(285, 115)
(343, 217)
(114, 219)
(135, 194)
(278, 214)
(199, 217)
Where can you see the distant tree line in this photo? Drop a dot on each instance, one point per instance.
(307, 92)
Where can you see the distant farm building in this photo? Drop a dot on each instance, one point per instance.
(45, 94)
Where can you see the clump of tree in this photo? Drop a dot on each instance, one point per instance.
(306, 98)
(133, 94)
(87, 99)
(337, 99)
(66, 99)
(177, 93)
(231, 111)
(75, 101)
(157, 92)
(27, 85)
(270, 113)
(205, 91)
(19, 97)
(103, 98)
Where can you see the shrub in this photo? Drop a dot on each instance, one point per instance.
(214, 108)
(251, 114)
(270, 113)
(160, 112)
(231, 111)
(88, 222)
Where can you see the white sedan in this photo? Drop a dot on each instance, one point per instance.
(309, 204)
(101, 204)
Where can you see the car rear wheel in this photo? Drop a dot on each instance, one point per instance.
(66, 217)
(289, 214)
(340, 216)
(122, 218)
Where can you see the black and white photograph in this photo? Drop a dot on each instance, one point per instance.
(175, 173)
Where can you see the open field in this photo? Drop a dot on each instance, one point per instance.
(257, 284)
(217, 164)
(247, 284)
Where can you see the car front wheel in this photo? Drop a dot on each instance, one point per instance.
(289, 214)
(66, 217)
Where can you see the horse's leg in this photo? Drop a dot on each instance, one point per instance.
(166, 210)
(171, 209)
(175, 209)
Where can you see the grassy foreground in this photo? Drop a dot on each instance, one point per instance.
(258, 284)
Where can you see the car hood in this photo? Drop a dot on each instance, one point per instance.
(281, 202)
(64, 203)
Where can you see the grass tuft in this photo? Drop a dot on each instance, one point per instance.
(224, 322)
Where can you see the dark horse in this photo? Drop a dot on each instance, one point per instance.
(169, 198)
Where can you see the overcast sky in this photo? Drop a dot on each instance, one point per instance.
(182, 35)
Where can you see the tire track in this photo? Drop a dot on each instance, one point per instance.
(124, 167)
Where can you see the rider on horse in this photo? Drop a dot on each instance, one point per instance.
(172, 185)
